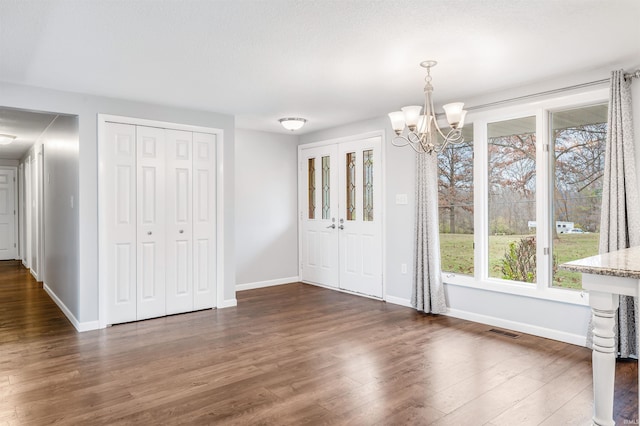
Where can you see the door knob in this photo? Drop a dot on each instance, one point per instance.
(341, 227)
(148, 232)
(181, 231)
(332, 226)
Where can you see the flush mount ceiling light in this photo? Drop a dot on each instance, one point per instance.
(422, 129)
(6, 139)
(292, 123)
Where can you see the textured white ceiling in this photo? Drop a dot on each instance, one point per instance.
(332, 62)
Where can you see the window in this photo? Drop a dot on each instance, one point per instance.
(511, 196)
(455, 205)
(523, 195)
(578, 139)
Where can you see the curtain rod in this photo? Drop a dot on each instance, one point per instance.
(535, 95)
(635, 74)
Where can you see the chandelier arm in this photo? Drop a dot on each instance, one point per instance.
(402, 141)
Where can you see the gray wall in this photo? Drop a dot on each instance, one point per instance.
(87, 108)
(61, 237)
(266, 205)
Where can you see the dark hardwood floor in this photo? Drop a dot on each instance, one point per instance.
(287, 355)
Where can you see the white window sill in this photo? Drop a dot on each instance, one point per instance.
(537, 291)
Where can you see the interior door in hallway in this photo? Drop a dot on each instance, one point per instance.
(319, 215)
(360, 184)
(7, 214)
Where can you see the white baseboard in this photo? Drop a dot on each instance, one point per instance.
(80, 326)
(268, 283)
(574, 339)
(398, 301)
(229, 303)
(562, 336)
(34, 275)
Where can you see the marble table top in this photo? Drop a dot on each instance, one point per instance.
(620, 263)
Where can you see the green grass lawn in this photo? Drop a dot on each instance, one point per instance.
(457, 254)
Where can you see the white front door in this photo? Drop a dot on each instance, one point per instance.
(319, 214)
(7, 214)
(341, 209)
(360, 212)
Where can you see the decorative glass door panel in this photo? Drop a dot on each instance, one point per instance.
(319, 228)
(361, 227)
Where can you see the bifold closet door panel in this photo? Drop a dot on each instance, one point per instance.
(204, 220)
(118, 159)
(179, 221)
(150, 143)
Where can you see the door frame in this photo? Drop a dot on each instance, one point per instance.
(383, 191)
(103, 119)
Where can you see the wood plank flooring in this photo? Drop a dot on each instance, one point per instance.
(288, 355)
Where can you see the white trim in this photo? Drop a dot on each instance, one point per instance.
(350, 138)
(220, 219)
(398, 301)
(229, 303)
(103, 119)
(268, 283)
(34, 275)
(574, 339)
(79, 326)
(156, 123)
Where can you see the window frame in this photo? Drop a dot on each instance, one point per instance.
(542, 110)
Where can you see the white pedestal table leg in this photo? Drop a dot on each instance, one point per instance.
(604, 307)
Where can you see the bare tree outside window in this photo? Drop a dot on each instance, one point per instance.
(511, 197)
(578, 138)
(455, 202)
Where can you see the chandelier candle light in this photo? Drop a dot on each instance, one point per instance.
(422, 129)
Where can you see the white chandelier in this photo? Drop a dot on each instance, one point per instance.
(422, 129)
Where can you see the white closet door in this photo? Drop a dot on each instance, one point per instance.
(119, 237)
(204, 220)
(179, 217)
(151, 227)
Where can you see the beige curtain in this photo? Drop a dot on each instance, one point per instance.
(428, 292)
(620, 221)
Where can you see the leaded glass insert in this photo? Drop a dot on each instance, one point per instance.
(311, 167)
(326, 187)
(351, 186)
(367, 185)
